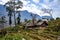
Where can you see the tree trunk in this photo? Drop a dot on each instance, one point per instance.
(18, 18)
(33, 21)
(10, 21)
(14, 19)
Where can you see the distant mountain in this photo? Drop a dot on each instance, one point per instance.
(24, 14)
(2, 10)
(47, 17)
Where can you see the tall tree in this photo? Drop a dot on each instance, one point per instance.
(16, 5)
(33, 18)
(13, 6)
(57, 18)
(2, 20)
(19, 3)
(9, 9)
(25, 20)
(49, 11)
(18, 18)
(10, 16)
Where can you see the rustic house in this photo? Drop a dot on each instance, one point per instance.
(37, 24)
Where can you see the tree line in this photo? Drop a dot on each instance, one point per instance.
(12, 7)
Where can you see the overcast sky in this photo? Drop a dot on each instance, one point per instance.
(35, 6)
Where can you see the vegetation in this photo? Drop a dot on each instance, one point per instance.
(10, 7)
(18, 33)
(2, 20)
(54, 25)
(33, 18)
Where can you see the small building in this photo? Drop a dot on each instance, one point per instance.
(37, 24)
(42, 24)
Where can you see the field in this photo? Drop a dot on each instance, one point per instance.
(29, 34)
(51, 32)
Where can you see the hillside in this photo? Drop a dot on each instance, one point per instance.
(17, 33)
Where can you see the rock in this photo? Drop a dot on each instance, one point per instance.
(23, 39)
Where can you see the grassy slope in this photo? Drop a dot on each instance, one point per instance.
(18, 33)
(30, 35)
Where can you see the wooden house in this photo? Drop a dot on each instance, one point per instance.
(37, 24)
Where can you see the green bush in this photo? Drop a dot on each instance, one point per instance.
(54, 25)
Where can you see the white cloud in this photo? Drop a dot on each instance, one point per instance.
(25, 2)
(3, 1)
(31, 7)
(45, 6)
(36, 1)
(46, 1)
(45, 14)
(56, 1)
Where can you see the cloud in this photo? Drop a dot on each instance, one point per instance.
(36, 1)
(25, 2)
(45, 14)
(56, 1)
(45, 6)
(31, 7)
(46, 1)
(3, 1)
(35, 6)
